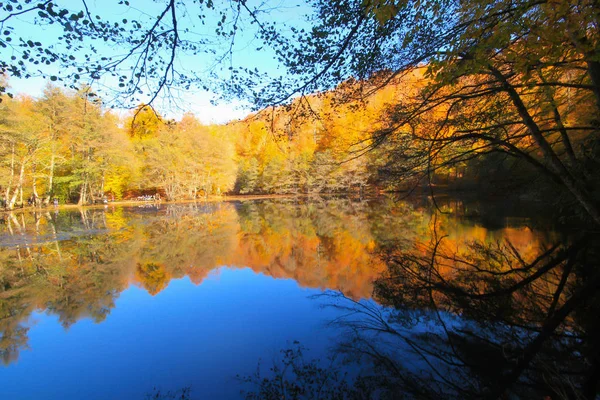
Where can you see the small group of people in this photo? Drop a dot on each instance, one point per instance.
(36, 201)
(148, 197)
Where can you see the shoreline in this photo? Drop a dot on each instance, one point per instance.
(210, 199)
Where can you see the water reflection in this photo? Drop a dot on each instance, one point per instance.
(475, 318)
(75, 264)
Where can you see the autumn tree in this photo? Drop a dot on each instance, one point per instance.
(144, 123)
(516, 78)
(55, 107)
(64, 144)
(209, 152)
(23, 149)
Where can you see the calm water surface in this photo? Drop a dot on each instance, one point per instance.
(116, 303)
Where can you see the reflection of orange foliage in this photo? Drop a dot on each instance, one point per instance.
(523, 239)
(342, 262)
(473, 259)
(327, 248)
(197, 274)
(285, 247)
(152, 277)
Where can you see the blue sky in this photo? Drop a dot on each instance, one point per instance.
(247, 51)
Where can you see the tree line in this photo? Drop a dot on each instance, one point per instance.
(66, 145)
(516, 81)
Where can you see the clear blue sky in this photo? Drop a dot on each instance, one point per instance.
(247, 51)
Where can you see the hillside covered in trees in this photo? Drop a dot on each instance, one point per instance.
(66, 145)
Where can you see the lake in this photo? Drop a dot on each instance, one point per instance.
(125, 302)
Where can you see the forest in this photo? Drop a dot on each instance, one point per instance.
(376, 95)
(67, 145)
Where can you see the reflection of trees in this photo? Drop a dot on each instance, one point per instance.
(65, 264)
(14, 334)
(75, 264)
(296, 378)
(188, 240)
(482, 321)
(318, 244)
(153, 277)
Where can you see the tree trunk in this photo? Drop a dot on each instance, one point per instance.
(594, 72)
(575, 187)
(90, 193)
(82, 194)
(34, 186)
(50, 179)
(18, 188)
(12, 176)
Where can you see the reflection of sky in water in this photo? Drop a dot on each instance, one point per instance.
(178, 319)
(187, 335)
